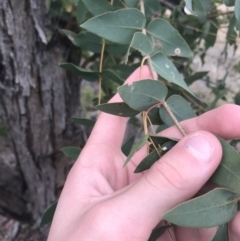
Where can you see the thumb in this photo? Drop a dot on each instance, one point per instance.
(176, 177)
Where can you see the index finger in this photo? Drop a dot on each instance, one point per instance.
(110, 129)
(222, 121)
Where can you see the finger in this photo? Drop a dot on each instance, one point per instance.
(204, 234)
(222, 121)
(110, 129)
(234, 230)
(176, 177)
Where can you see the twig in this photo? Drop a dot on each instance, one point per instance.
(180, 128)
(155, 146)
(100, 77)
(142, 8)
(151, 125)
(144, 114)
(142, 63)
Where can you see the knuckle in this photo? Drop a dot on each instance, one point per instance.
(168, 175)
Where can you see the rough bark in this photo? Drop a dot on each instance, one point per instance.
(37, 100)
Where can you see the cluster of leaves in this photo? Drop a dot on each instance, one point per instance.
(113, 33)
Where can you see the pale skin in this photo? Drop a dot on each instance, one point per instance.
(103, 201)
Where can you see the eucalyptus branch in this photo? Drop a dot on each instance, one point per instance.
(142, 63)
(156, 149)
(154, 76)
(100, 70)
(152, 107)
(171, 115)
(145, 117)
(151, 125)
(142, 8)
(100, 77)
(144, 114)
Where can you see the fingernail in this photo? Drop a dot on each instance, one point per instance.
(200, 147)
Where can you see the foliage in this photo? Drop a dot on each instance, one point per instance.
(111, 33)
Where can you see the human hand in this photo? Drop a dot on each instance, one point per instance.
(103, 201)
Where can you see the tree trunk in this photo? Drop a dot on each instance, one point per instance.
(37, 101)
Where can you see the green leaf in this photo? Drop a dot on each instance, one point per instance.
(237, 11)
(228, 172)
(141, 43)
(119, 109)
(126, 148)
(211, 32)
(199, 8)
(98, 7)
(118, 26)
(237, 98)
(152, 7)
(85, 122)
(118, 4)
(166, 147)
(116, 49)
(199, 75)
(138, 145)
(81, 12)
(161, 128)
(166, 69)
(205, 5)
(212, 209)
(108, 84)
(48, 214)
(75, 2)
(85, 40)
(93, 43)
(154, 117)
(141, 95)
(71, 152)
(189, 5)
(110, 74)
(156, 233)
(131, 3)
(161, 140)
(180, 108)
(118, 73)
(229, 3)
(134, 121)
(167, 39)
(148, 161)
(222, 233)
(86, 74)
